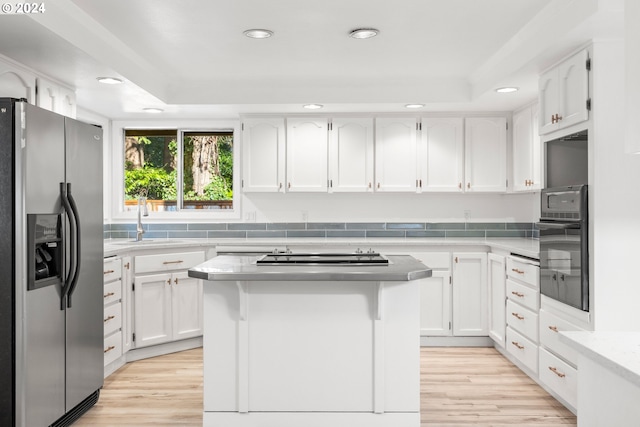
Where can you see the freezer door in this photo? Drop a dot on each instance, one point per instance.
(85, 323)
(41, 377)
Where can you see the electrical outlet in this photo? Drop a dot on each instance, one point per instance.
(250, 216)
(305, 216)
(467, 214)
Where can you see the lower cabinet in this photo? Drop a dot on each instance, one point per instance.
(470, 294)
(112, 299)
(168, 306)
(497, 295)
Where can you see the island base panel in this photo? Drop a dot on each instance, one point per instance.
(310, 419)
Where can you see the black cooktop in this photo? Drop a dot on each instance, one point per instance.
(355, 258)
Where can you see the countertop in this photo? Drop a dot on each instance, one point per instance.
(616, 351)
(526, 247)
(244, 268)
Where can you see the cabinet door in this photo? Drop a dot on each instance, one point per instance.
(470, 294)
(307, 154)
(486, 154)
(497, 297)
(435, 304)
(441, 154)
(153, 323)
(127, 305)
(16, 83)
(396, 154)
(574, 89)
(548, 92)
(186, 303)
(526, 150)
(351, 155)
(263, 155)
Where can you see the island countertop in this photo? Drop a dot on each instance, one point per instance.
(234, 267)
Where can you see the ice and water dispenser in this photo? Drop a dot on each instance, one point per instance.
(44, 249)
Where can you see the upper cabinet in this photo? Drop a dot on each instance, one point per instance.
(564, 93)
(396, 153)
(263, 157)
(441, 159)
(527, 165)
(307, 154)
(17, 83)
(485, 145)
(351, 155)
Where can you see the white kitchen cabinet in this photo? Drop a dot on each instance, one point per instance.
(523, 303)
(485, 154)
(168, 306)
(396, 155)
(112, 299)
(435, 304)
(470, 294)
(263, 155)
(351, 155)
(564, 93)
(496, 266)
(47, 95)
(527, 150)
(307, 154)
(17, 83)
(441, 155)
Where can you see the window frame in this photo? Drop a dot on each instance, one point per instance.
(181, 126)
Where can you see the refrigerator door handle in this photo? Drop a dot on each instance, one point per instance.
(78, 239)
(72, 245)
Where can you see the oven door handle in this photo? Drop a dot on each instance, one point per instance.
(559, 225)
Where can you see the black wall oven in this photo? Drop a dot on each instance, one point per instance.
(564, 245)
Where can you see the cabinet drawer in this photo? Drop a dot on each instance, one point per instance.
(523, 295)
(526, 271)
(112, 347)
(434, 260)
(112, 269)
(522, 349)
(559, 377)
(550, 325)
(112, 318)
(522, 320)
(112, 292)
(167, 262)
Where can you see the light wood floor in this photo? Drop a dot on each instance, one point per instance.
(459, 387)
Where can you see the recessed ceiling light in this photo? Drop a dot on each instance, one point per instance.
(109, 80)
(152, 110)
(364, 33)
(257, 33)
(313, 106)
(506, 89)
(414, 106)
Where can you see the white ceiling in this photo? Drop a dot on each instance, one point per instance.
(191, 59)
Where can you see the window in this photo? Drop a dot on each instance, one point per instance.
(178, 170)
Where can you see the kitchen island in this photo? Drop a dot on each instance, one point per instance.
(319, 344)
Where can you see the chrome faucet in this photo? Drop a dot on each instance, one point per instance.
(142, 211)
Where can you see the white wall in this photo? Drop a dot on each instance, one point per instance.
(385, 207)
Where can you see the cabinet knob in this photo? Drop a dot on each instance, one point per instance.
(460, 185)
(378, 185)
(468, 185)
(553, 328)
(280, 186)
(517, 344)
(127, 265)
(175, 280)
(555, 371)
(370, 185)
(517, 316)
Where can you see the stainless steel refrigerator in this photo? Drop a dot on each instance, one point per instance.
(51, 256)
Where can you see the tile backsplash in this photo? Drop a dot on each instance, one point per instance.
(324, 230)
